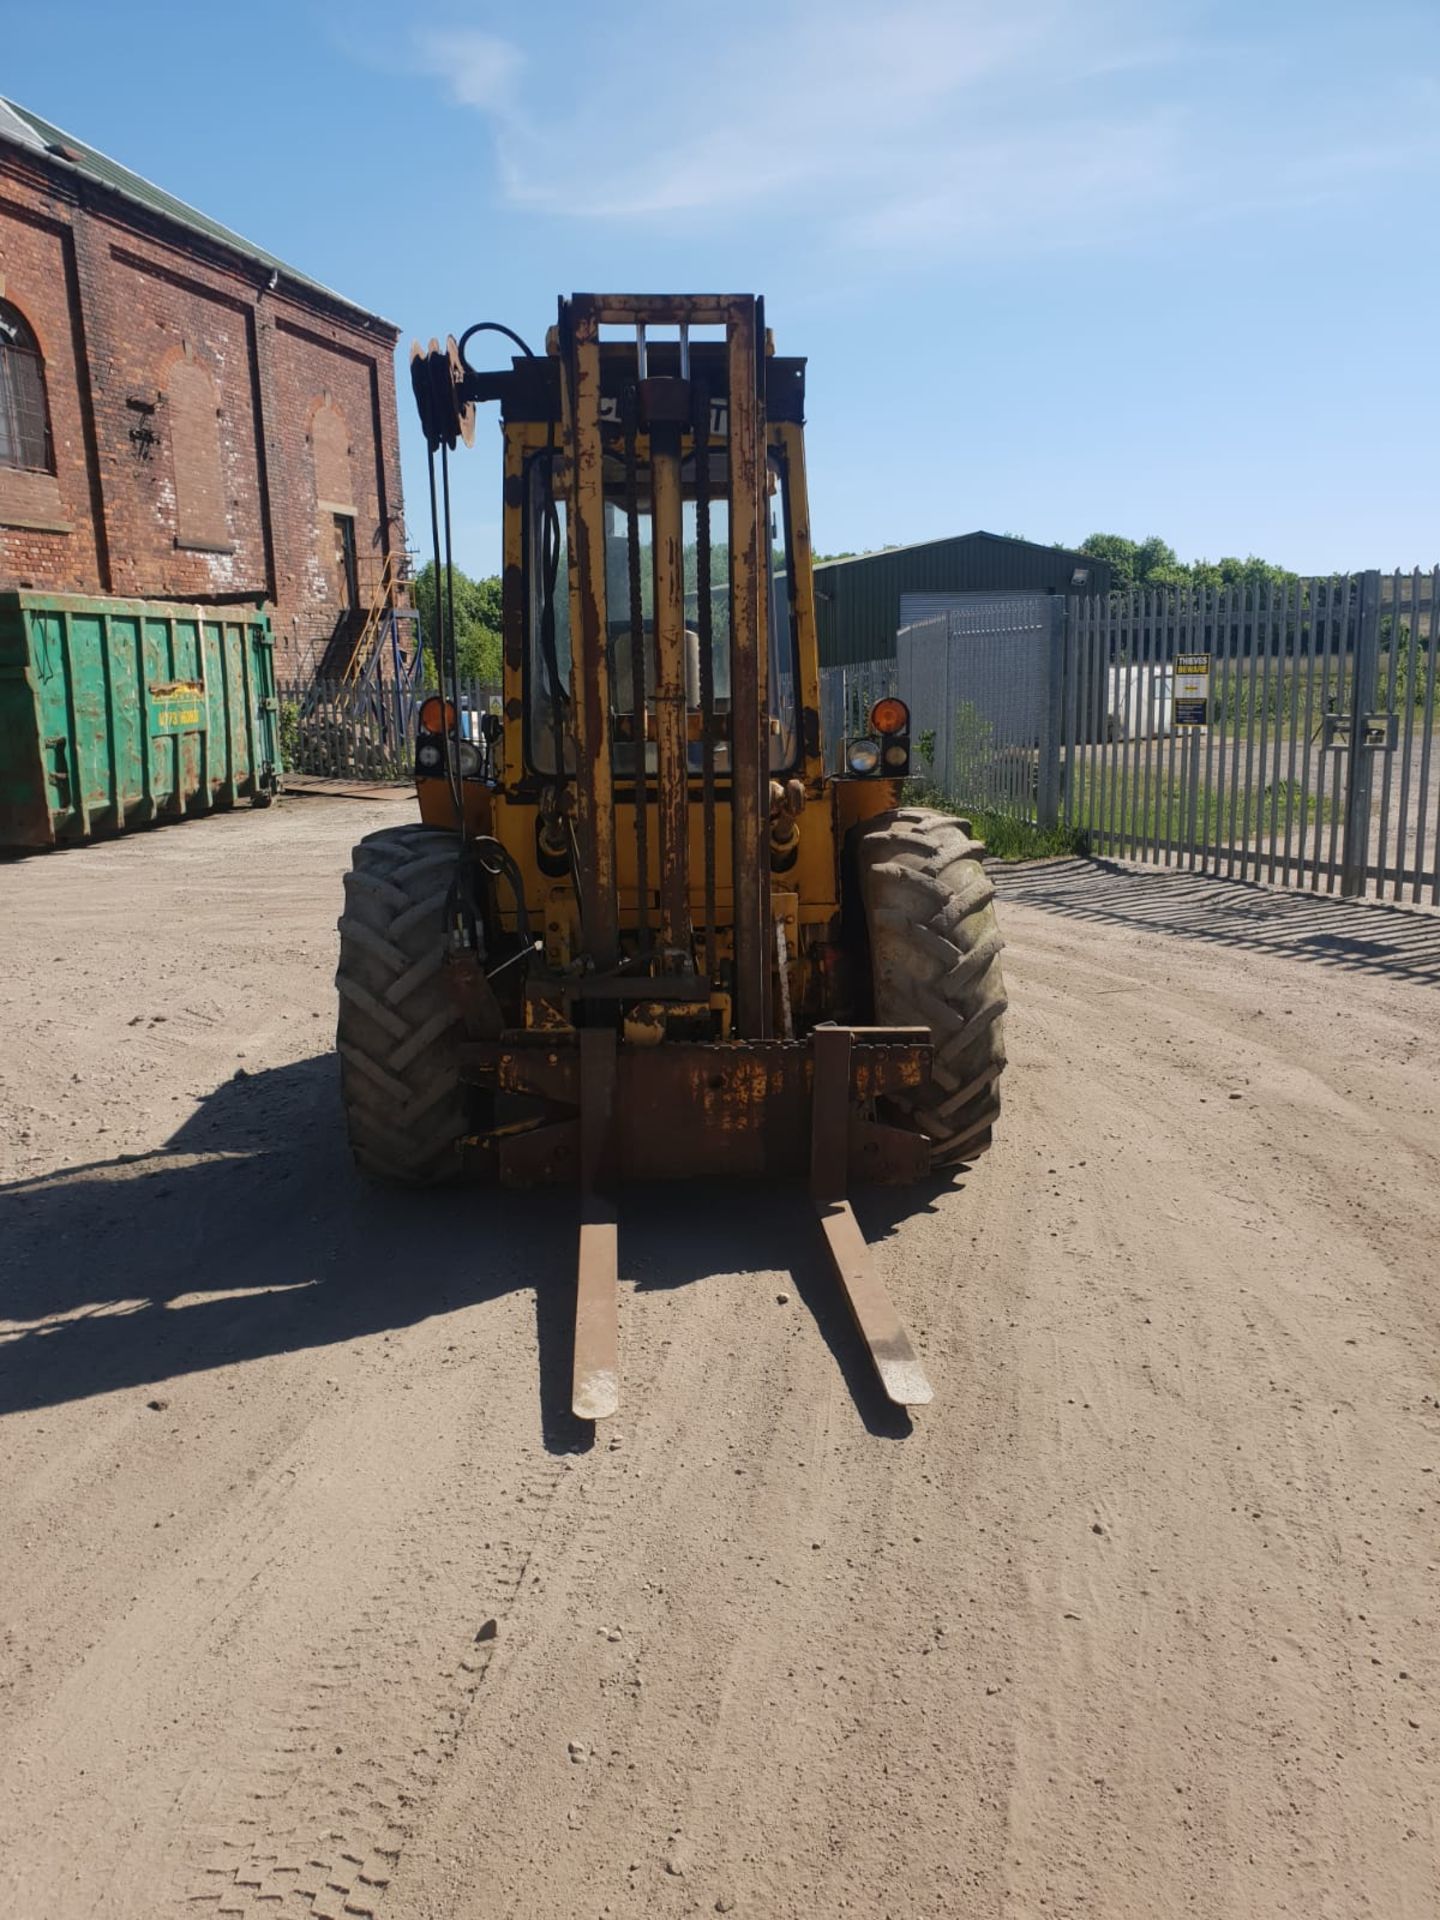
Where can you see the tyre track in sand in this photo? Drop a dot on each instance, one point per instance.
(318, 1824)
(286, 1689)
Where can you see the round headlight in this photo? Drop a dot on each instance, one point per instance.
(862, 756)
(428, 756)
(469, 760)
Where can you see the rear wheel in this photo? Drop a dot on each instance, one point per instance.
(935, 962)
(399, 1032)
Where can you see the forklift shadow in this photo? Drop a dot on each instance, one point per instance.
(674, 1235)
(248, 1234)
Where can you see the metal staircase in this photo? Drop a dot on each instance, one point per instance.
(382, 624)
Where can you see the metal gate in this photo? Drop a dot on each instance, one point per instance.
(982, 681)
(1315, 765)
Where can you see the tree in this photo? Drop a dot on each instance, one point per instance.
(1152, 556)
(1133, 563)
(1118, 552)
(477, 623)
(1153, 562)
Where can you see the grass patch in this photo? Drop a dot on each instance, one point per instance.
(1218, 816)
(1005, 837)
(1168, 813)
(1009, 839)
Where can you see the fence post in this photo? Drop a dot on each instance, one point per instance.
(1192, 793)
(1355, 854)
(1047, 785)
(950, 748)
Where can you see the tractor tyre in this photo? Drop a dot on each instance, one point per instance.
(399, 1031)
(935, 962)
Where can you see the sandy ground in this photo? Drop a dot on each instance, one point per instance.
(314, 1601)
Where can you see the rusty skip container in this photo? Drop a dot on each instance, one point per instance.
(119, 713)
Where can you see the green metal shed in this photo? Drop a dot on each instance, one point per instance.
(857, 601)
(117, 713)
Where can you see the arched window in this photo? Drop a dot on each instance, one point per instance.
(24, 416)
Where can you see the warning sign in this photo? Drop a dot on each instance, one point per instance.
(179, 707)
(1192, 690)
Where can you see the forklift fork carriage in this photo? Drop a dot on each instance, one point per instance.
(682, 1110)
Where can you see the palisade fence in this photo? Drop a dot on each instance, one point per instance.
(1319, 766)
(982, 676)
(983, 729)
(346, 731)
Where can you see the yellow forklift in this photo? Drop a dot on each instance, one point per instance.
(643, 930)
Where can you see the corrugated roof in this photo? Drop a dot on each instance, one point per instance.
(27, 129)
(857, 601)
(948, 539)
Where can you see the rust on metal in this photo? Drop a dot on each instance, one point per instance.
(595, 1385)
(880, 1326)
(883, 1156)
(595, 1388)
(590, 669)
(657, 309)
(802, 600)
(830, 1114)
(705, 623)
(735, 1108)
(749, 728)
(630, 410)
(671, 749)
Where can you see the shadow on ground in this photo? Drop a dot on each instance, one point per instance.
(1361, 936)
(126, 1272)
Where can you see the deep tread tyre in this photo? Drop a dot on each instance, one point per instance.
(399, 1034)
(935, 962)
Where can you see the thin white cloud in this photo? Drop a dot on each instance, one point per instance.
(1045, 190)
(479, 69)
(931, 124)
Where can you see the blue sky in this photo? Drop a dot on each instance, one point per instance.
(1058, 265)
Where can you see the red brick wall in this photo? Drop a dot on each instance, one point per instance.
(48, 526)
(184, 400)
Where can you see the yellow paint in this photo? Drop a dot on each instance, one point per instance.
(806, 894)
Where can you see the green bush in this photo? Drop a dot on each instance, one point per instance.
(290, 734)
(1006, 837)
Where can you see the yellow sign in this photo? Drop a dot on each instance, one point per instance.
(1192, 690)
(171, 717)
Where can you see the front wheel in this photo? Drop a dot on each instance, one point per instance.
(399, 1031)
(935, 962)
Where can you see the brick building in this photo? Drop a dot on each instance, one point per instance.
(183, 416)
